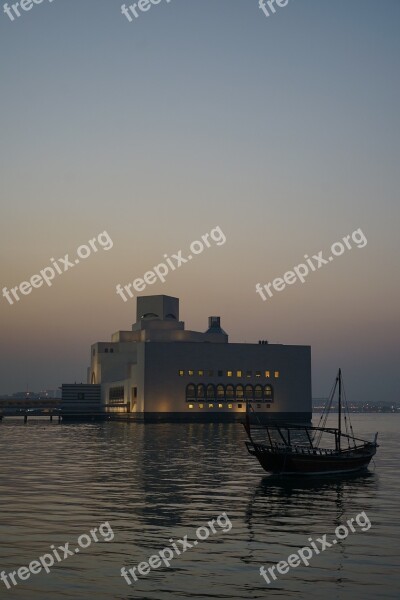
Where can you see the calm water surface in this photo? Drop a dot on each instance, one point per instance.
(155, 482)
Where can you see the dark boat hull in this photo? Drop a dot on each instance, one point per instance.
(311, 464)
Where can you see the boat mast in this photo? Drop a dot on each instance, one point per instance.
(340, 409)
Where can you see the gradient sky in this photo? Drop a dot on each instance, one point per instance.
(284, 131)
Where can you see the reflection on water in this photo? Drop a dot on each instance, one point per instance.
(157, 482)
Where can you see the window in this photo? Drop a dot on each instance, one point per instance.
(230, 392)
(210, 373)
(258, 374)
(248, 374)
(111, 349)
(220, 392)
(190, 392)
(229, 405)
(239, 392)
(268, 406)
(210, 391)
(81, 396)
(190, 373)
(249, 392)
(276, 374)
(211, 406)
(258, 392)
(191, 406)
(229, 373)
(220, 373)
(239, 406)
(181, 373)
(268, 392)
(201, 391)
(201, 405)
(258, 405)
(116, 393)
(220, 406)
(238, 373)
(105, 349)
(200, 372)
(134, 392)
(267, 374)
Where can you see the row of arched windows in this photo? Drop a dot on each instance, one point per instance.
(230, 393)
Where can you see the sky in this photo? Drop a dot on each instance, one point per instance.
(283, 131)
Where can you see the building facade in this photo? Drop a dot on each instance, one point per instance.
(158, 370)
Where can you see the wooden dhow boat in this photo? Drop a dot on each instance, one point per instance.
(306, 450)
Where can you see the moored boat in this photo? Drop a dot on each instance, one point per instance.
(307, 450)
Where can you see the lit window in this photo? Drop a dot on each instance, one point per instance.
(220, 391)
(181, 373)
(268, 392)
(229, 373)
(201, 405)
(200, 372)
(229, 405)
(220, 406)
(248, 374)
(239, 392)
(267, 374)
(211, 406)
(230, 392)
(258, 373)
(276, 374)
(238, 373)
(191, 373)
(191, 406)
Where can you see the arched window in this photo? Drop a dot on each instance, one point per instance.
(190, 392)
(268, 392)
(220, 392)
(258, 392)
(201, 391)
(230, 392)
(249, 392)
(239, 392)
(210, 391)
